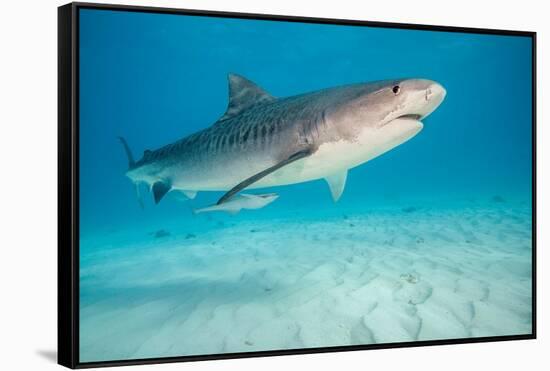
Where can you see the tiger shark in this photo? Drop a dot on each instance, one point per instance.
(264, 141)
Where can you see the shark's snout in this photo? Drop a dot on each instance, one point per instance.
(435, 92)
(434, 95)
(428, 96)
(416, 99)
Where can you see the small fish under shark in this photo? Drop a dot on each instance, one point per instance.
(263, 141)
(241, 201)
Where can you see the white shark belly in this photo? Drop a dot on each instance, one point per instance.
(334, 157)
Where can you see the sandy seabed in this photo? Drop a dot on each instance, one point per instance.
(382, 277)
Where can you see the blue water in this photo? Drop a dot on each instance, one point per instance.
(155, 78)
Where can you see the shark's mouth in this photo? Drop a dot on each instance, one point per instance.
(405, 118)
(412, 116)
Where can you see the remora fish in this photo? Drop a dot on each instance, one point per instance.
(241, 201)
(263, 141)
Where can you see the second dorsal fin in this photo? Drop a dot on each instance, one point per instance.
(243, 94)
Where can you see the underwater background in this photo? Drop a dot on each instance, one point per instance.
(431, 240)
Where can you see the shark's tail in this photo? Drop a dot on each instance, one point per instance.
(131, 162)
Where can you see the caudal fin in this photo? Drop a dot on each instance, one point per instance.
(131, 162)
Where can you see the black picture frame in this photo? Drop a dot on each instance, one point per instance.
(68, 183)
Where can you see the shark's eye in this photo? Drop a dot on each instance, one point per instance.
(396, 89)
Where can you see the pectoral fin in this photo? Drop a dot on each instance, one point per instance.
(336, 183)
(254, 178)
(160, 189)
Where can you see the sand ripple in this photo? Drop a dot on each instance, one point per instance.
(380, 278)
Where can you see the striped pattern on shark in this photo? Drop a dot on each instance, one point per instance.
(263, 141)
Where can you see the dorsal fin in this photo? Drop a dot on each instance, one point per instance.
(243, 94)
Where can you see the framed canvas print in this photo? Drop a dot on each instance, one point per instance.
(236, 185)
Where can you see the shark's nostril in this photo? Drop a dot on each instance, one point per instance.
(428, 93)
